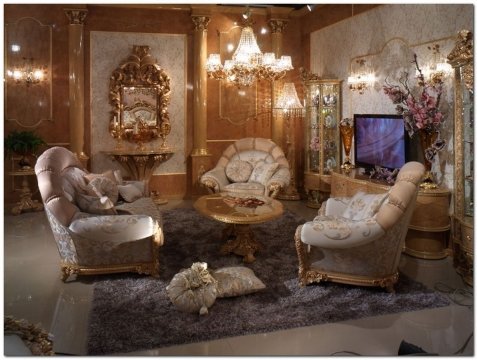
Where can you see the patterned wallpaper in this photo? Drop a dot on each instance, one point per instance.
(108, 50)
(386, 38)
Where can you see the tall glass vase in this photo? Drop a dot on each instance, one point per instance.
(427, 139)
(346, 132)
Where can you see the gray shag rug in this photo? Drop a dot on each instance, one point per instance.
(132, 312)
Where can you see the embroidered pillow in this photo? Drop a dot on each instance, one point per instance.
(129, 192)
(95, 205)
(236, 280)
(103, 186)
(262, 172)
(109, 174)
(238, 170)
(364, 206)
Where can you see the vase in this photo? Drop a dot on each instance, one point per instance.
(346, 132)
(427, 139)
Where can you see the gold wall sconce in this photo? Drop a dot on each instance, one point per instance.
(28, 73)
(438, 68)
(362, 79)
(248, 64)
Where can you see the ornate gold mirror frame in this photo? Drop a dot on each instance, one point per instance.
(139, 92)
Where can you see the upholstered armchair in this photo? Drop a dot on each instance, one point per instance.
(359, 240)
(94, 232)
(252, 166)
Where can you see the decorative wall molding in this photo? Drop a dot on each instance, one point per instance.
(76, 16)
(200, 22)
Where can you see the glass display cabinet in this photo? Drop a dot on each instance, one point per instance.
(461, 59)
(322, 137)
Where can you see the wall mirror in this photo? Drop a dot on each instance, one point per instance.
(139, 94)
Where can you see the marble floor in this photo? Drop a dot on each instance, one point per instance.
(33, 291)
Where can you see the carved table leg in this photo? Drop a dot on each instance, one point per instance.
(244, 243)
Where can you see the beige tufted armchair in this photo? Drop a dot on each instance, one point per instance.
(92, 243)
(251, 166)
(359, 240)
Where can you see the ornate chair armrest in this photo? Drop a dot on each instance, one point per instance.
(279, 180)
(336, 232)
(114, 228)
(215, 180)
(335, 206)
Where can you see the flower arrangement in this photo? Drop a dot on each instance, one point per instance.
(382, 173)
(315, 143)
(420, 112)
(346, 122)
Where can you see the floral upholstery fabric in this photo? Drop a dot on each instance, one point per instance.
(104, 186)
(339, 232)
(253, 151)
(95, 205)
(238, 170)
(88, 242)
(363, 251)
(363, 206)
(262, 172)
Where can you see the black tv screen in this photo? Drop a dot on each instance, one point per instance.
(380, 140)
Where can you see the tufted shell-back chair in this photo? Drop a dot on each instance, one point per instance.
(251, 166)
(359, 240)
(91, 243)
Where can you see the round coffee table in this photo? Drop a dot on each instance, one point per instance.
(239, 212)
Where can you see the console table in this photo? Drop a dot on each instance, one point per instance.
(430, 221)
(141, 164)
(26, 203)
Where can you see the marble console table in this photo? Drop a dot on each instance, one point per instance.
(141, 163)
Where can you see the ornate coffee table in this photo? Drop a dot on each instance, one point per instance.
(239, 212)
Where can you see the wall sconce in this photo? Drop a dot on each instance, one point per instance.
(28, 73)
(438, 68)
(362, 79)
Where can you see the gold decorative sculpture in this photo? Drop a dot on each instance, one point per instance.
(347, 131)
(139, 92)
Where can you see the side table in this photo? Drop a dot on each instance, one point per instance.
(26, 203)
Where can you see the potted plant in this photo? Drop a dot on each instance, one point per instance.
(23, 143)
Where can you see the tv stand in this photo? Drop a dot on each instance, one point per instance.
(427, 237)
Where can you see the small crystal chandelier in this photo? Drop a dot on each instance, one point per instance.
(361, 80)
(248, 64)
(288, 100)
(27, 73)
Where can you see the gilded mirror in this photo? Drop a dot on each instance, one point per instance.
(139, 94)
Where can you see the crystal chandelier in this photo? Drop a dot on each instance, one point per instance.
(438, 68)
(248, 64)
(288, 100)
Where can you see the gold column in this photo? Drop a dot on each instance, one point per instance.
(201, 158)
(76, 81)
(277, 26)
(200, 84)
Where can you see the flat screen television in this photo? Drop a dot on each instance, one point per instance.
(380, 140)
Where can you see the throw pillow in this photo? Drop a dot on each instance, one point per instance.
(103, 186)
(236, 280)
(108, 173)
(363, 206)
(95, 205)
(118, 176)
(129, 192)
(262, 172)
(193, 290)
(238, 170)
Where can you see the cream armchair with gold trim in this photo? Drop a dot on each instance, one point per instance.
(110, 238)
(251, 166)
(359, 240)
